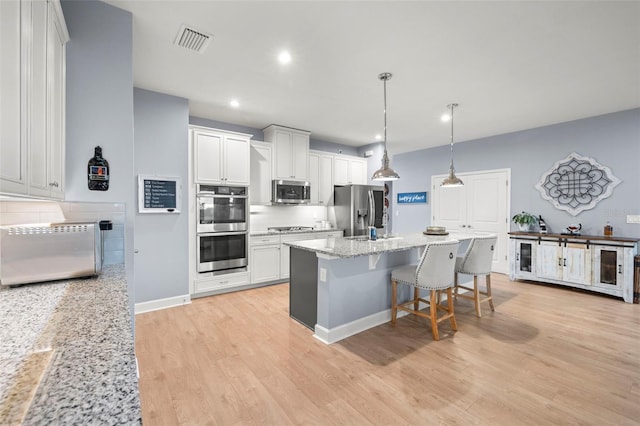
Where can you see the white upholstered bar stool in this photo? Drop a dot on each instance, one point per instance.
(434, 272)
(477, 261)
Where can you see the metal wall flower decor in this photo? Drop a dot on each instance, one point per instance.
(577, 183)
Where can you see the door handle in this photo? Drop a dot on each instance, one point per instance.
(619, 269)
(517, 256)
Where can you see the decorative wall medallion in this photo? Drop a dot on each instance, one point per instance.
(577, 183)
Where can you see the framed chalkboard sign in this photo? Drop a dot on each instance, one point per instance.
(158, 194)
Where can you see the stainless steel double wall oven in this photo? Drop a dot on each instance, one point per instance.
(223, 213)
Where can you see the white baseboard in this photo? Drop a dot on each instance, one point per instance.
(329, 336)
(155, 305)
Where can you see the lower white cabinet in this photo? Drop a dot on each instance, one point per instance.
(602, 264)
(269, 255)
(264, 258)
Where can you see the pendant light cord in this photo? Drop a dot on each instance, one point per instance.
(385, 115)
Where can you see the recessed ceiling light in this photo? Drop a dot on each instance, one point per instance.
(234, 103)
(445, 117)
(378, 137)
(284, 57)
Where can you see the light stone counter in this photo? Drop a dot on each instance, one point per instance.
(67, 353)
(260, 233)
(346, 247)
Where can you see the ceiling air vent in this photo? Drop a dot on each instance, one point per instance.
(192, 39)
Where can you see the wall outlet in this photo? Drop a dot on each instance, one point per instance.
(633, 218)
(323, 275)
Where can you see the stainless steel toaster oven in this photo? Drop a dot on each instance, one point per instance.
(44, 252)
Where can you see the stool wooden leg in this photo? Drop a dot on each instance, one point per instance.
(394, 301)
(455, 284)
(416, 296)
(433, 313)
(452, 319)
(476, 295)
(489, 292)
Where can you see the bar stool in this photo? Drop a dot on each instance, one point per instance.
(434, 272)
(477, 261)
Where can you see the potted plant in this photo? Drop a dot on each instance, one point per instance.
(525, 221)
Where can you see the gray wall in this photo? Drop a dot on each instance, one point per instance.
(162, 239)
(100, 107)
(612, 139)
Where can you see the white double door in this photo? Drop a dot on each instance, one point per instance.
(481, 205)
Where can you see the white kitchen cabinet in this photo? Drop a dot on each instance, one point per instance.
(260, 188)
(321, 177)
(349, 170)
(602, 264)
(220, 157)
(290, 152)
(32, 96)
(264, 260)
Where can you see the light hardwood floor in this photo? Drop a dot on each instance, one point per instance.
(547, 355)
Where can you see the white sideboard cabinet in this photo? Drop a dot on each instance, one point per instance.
(32, 98)
(591, 262)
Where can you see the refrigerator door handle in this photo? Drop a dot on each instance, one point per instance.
(372, 208)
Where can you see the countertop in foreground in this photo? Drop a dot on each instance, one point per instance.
(74, 338)
(351, 247)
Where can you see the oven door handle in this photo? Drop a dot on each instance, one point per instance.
(221, 234)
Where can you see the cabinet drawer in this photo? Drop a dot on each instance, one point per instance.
(261, 240)
(222, 281)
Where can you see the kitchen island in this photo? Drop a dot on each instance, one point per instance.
(341, 286)
(67, 353)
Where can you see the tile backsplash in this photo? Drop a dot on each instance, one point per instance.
(19, 212)
(263, 217)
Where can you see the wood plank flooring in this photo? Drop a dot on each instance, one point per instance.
(548, 355)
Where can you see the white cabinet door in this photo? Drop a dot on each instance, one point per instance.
(608, 267)
(260, 189)
(341, 171)
(524, 259)
(358, 172)
(549, 260)
(283, 154)
(207, 152)
(576, 264)
(13, 148)
(265, 263)
(300, 156)
(236, 161)
(321, 177)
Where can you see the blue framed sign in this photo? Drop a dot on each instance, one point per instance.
(412, 197)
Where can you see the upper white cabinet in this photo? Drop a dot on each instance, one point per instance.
(32, 98)
(321, 177)
(290, 152)
(260, 188)
(220, 157)
(349, 170)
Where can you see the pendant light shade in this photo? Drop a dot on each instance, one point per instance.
(452, 180)
(385, 173)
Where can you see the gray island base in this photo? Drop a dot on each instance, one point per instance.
(340, 286)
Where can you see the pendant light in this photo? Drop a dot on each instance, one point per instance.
(452, 180)
(385, 172)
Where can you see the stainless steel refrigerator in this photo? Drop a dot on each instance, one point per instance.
(357, 207)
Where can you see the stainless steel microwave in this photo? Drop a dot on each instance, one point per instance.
(290, 192)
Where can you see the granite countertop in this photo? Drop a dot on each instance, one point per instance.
(302, 231)
(67, 353)
(360, 246)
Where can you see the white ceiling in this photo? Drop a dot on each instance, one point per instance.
(511, 65)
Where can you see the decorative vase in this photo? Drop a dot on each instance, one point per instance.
(524, 227)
